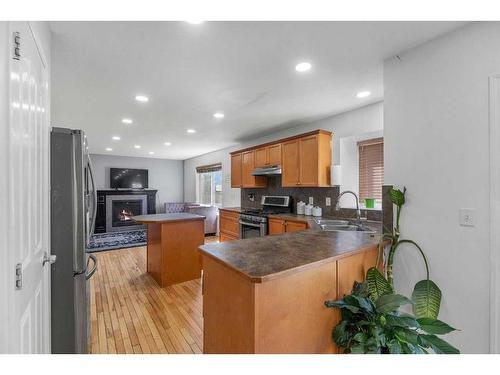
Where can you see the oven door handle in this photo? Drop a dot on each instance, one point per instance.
(251, 224)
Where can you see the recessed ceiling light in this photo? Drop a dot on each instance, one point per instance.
(127, 120)
(115, 138)
(150, 152)
(303, 67)
(191, 131)
(363, 94)
(137, 146)
(142, 98)
(168, 144)
(109, 149)
(219, 115)
(195, 22)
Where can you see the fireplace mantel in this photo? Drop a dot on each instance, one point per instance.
(100, 225)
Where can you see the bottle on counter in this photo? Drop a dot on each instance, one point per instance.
(317, 211)
(308, 209)
(301, 206)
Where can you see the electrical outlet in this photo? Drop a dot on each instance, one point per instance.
(311, 200)
(328, 201)
(467, 217)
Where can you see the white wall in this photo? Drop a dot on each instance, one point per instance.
(362, 120)
(437, 145)
(164, 175)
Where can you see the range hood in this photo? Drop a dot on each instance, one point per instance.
(267, 171)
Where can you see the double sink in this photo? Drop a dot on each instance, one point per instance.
(333, 225)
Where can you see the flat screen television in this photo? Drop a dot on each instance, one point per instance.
(125, 178)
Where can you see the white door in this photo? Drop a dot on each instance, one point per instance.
(27, 153)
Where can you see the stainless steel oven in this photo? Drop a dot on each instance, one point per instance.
(253, 222)
(252, 226)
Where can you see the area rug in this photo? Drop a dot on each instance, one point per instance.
(117, 240)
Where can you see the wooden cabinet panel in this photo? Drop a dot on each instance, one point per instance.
(261, 157)
(290, 167)
(236, 170)
(276, 226)
(295, 226)
(274, 154)
(223, 237)
(247, 167)
(229, 225)
(308, 155)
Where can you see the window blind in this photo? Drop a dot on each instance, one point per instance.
(209, 168)
(371, 168)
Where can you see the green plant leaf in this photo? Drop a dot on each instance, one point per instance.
(401, 321)
(360, 289)
(397, 196)
(360, 337)
(435, 326)
(341, 335)
(339, 304)
(377, 284)
(407, 336)
(426, 299)
(439, 345)
(394, 347)
(391, 302)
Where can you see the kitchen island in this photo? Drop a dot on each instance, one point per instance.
(172, 247)
(265, 295)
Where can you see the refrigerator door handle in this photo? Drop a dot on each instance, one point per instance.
(94, 195)
(92, 271)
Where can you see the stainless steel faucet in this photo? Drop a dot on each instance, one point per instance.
(358, 211)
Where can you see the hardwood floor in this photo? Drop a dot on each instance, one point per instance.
(130, 313)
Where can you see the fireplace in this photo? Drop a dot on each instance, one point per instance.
(121, 208)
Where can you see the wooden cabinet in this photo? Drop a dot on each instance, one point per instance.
(307, 161)
(284, 314)
(280, 226)
(290, 167)
(229, 225)
(276, 226)
(236, 170)
(247, 167)
(295, 226)
(267, 156)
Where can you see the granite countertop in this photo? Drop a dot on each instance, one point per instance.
(266, 258)
(163, 218)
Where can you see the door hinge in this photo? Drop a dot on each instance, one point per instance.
(16, 53)
(19, 276)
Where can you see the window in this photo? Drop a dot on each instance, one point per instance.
(371, 168)
(209, 179)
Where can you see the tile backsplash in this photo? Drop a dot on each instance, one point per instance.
(302, 194)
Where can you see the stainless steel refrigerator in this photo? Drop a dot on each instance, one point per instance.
(73, 211)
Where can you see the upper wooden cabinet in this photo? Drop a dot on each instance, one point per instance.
(267, 156)
(236, 170)
(305, 161)
(247, 167)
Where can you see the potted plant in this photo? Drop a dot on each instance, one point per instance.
(371, 319)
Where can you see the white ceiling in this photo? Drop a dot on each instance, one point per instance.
(245, 69)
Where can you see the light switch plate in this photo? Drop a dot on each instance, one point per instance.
(467, 217)
(328, 201)
(311, 200)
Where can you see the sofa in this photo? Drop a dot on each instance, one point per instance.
(211, 213)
